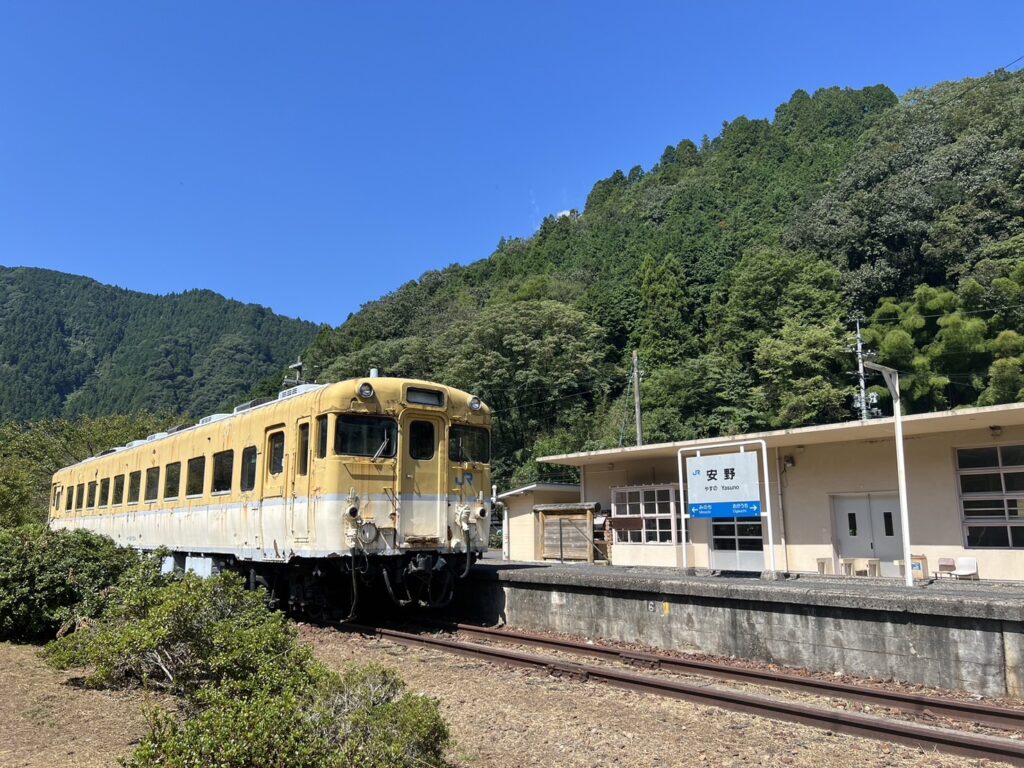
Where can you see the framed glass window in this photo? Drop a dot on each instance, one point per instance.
(648, 515)
(118, 490)
(421, 440)
(104, 492)
(991, 485)
(80, 496)
(275, 447)
(172, 480)
(92, 495)
(134, 486)
(373, 436)
(69, 498)
(302, 459)
(195, 476)
(152, 483)
(249, 468)
(469, 444)
(223, 470)
(321, 436)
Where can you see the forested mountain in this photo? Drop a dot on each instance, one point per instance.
(71, 346)
(736, 267)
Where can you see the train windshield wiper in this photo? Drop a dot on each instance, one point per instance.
(383, 447)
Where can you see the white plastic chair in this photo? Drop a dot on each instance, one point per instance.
(966, 568)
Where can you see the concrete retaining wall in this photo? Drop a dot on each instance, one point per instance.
(978, 654)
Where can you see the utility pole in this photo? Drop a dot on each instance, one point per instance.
(636, 399)
(860, 374)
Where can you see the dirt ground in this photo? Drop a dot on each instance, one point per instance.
(45, 721)
(500, 718)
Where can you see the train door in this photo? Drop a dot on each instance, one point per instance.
(299, 499)
(423, 492)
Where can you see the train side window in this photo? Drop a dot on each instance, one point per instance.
(152, 483)
(421, 440)
(79, 496)
(56, 497)
(275, 446)
(134, 486)
(104, 491)
(223, 469)
(91, 502)
(302, 466)
(321, 436)
(249, 468)
(118, 490)
(69, 499)
(195, 478)
(172, 480)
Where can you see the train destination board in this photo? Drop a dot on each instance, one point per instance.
(725, 485)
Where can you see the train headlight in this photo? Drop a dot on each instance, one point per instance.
(366, 390)
(475, 403)
(482, 513)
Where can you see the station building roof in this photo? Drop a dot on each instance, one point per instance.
(916, 425)
(532, 487)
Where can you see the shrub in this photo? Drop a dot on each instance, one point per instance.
(363, 719)
(252, 695)
(49, 578)
(184, 635)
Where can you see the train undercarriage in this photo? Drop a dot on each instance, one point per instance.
(341, 588)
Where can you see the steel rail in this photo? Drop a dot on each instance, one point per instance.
(850, 723)
(970, 711)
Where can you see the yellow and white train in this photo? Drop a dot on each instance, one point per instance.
(310, 494)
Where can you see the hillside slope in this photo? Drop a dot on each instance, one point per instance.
(736, 267)
(70, 345)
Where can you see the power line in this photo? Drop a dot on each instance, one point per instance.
(542, 402)
(977, 83)
(884, 320)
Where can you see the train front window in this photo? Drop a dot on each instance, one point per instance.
(421, 440)
(374, 436)
(469, 444)
(321, 436)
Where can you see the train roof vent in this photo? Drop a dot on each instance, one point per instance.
(301, 389)
(156, 436)
(252, 404)
(135, 443)
(176, 428)
(107, 452)
(212, 418)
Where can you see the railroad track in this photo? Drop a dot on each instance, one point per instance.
(927, 737)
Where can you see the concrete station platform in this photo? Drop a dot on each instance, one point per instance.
(947, 634)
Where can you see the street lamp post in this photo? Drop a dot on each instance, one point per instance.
(892, 381)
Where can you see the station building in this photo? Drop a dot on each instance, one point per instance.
(834, 501)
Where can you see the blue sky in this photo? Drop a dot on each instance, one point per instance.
(311, 156)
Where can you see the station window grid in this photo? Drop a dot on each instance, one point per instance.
(657, 506)
(990, 481)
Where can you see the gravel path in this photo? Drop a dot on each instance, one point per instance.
(514, 718)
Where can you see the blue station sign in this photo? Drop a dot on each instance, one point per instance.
(724, 485)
